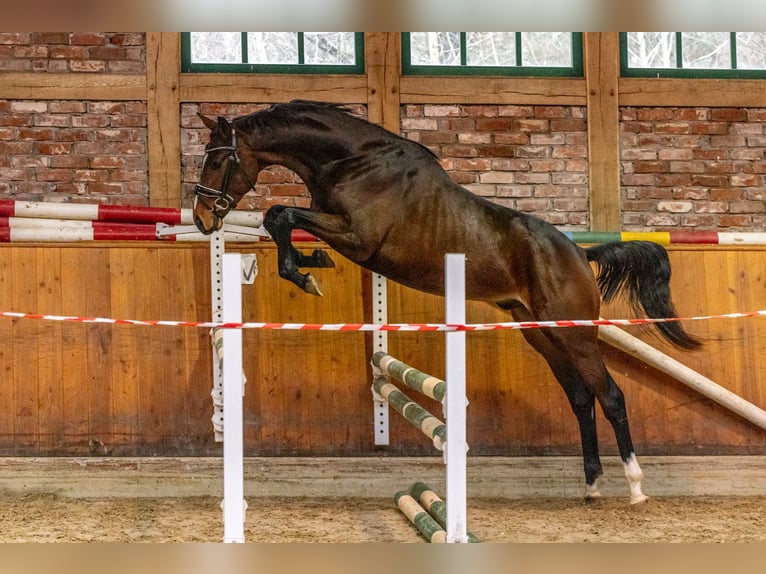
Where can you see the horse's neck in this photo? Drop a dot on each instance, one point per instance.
(307, 153)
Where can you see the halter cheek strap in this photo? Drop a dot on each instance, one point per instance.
(224, 202)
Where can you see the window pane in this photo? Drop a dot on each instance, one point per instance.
(546, 49)
(329, 48)
(435, 48)
(751, 50)
(272, 47)
(651, 50)
(216, 47)
(491, 48)
(708, 50)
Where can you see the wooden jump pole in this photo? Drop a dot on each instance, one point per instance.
(452, 393)
(420, 518)
(416, 415)
(433, 505)
(410, 376)
(662, 362)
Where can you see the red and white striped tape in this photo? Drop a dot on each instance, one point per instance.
(358, 327)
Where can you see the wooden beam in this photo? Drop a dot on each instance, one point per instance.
(163, 68)
(72, 86)
(383, 58)
(492, 90)
(602, 72)
(344, 89)
(685, 92)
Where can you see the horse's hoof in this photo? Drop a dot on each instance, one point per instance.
(312, 287)
(322, 259)
(639, 503)
(592, 500)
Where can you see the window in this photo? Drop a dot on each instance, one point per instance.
(273, 52)
(693, 54)
(492, 53)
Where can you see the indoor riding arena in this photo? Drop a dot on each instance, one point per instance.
(111, 406)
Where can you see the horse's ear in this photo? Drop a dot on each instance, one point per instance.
(224, 127)
(210, 123)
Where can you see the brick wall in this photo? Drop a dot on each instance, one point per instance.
(700, 168)
(530, 158)
(61, 52)
(74, 151)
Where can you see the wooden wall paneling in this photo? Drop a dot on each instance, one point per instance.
(72, 86)
(492, 90)
(163, 55)
(344, 89)
(187, 376)
(302, 392)
(7, 351)
(26, 351)
(76, 377)
(93, 276)
(152, 385)
(50, 350)
(682, 92)
(123, 355)
(601, 51)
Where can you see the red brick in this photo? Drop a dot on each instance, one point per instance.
(745, 180)
(673, 179)
(673, 128)
(480, 111)
(67, 52)
(655, 114)
(728, 114)
(710, 128)
(571, 125)
(87, 39)
(687, 167)
(743, 221)
(721, 167)
(550, 112)
(547, 165)
(709, 180)
(495, 124)
(650, 166)
(47, 148)
(49, 38)
(698, 114)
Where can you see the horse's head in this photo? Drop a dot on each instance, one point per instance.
(223, 180)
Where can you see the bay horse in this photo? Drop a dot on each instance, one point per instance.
(385, 203)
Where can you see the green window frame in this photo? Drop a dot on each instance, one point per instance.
(680, 71)
(187, 65)
(518, 69)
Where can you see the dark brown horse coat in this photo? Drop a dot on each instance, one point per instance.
(385, 203)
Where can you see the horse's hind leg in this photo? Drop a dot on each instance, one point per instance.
(576, 362)
(582, 401)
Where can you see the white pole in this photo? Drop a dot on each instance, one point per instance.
(380, 343)
(637, 348)
(455, 449)
(233, 449)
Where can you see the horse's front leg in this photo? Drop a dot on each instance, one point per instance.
(280, 224)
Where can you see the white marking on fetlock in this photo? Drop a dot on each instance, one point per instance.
(634, 475)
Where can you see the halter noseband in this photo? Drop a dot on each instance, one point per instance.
(224, 202)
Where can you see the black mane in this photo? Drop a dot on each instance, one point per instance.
(312, 114)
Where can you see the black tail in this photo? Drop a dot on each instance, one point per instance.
(642, 270)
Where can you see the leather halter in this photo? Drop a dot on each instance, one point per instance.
(224, 201)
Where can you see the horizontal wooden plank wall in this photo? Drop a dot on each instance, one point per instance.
(74, 389)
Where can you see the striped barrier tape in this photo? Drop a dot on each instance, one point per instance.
(366, 327)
